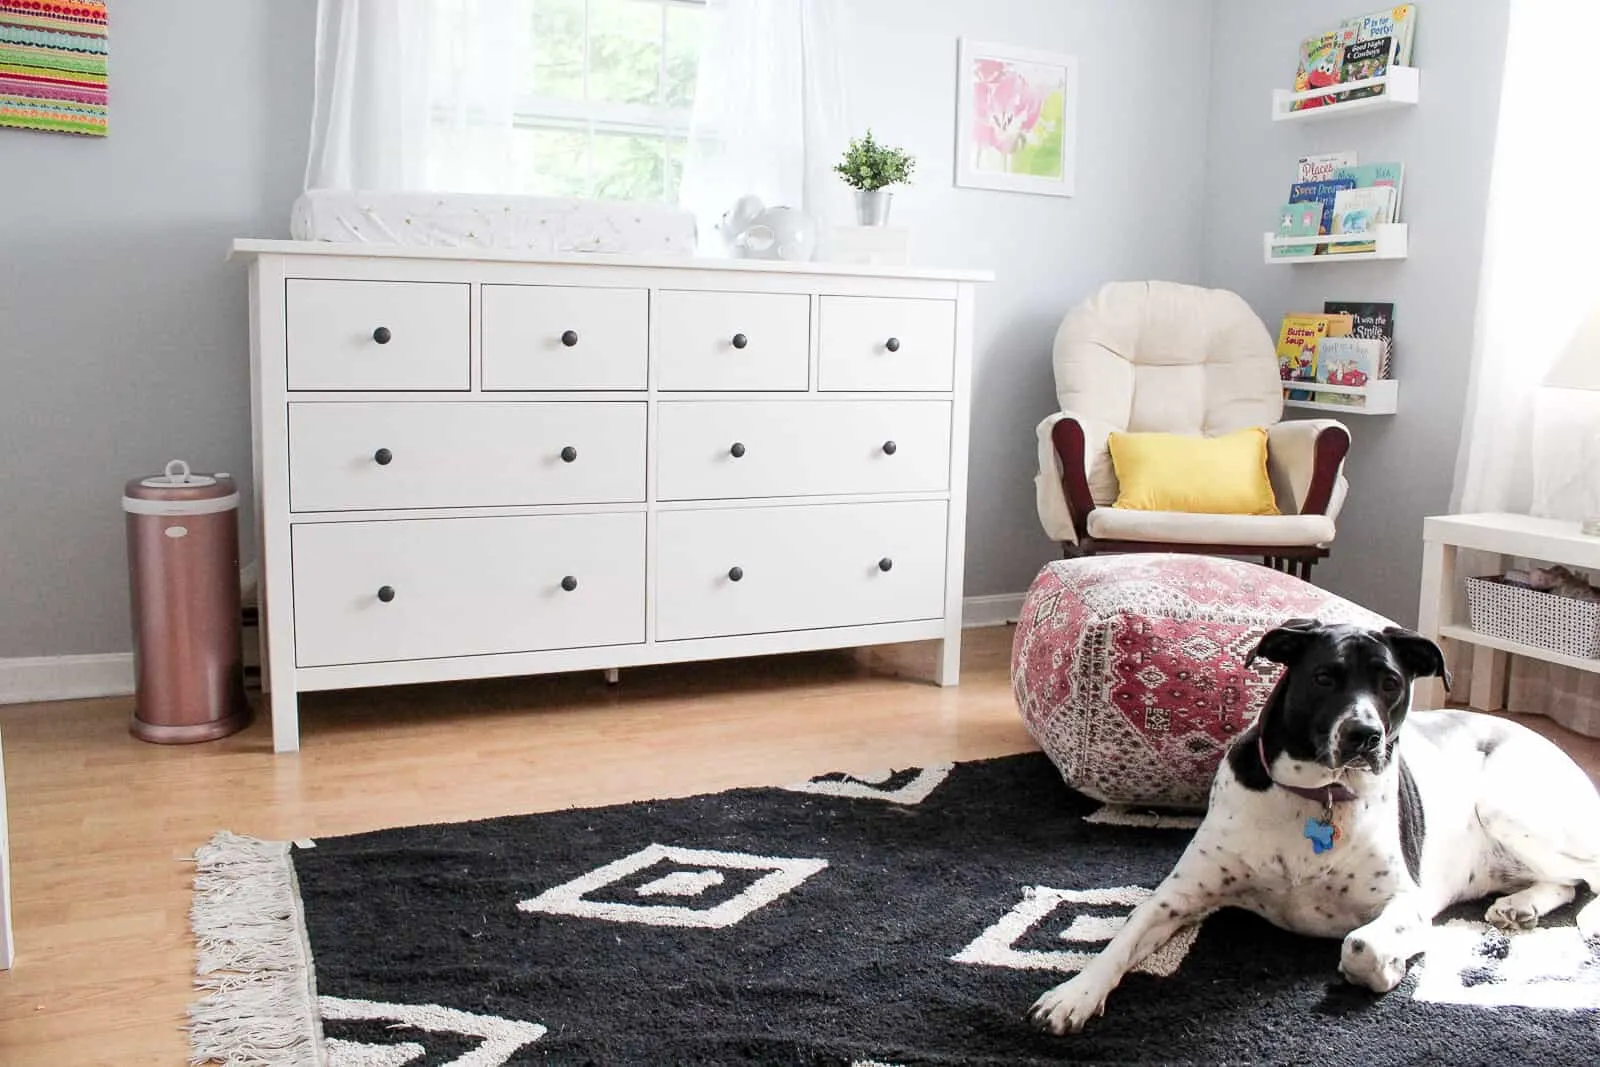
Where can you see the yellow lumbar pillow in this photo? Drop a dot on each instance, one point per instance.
(1224, 475)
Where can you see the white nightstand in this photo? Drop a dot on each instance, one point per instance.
(1442, 610)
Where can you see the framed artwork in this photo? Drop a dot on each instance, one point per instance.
(1016, 125)
(53, 65)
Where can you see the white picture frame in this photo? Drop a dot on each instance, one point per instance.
(1029, 144)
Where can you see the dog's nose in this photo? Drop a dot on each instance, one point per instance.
(1362, 737)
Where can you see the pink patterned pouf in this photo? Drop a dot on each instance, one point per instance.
(1130, 670)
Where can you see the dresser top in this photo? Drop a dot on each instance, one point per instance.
(245, 247)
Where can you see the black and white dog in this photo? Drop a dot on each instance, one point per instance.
(1326, 820)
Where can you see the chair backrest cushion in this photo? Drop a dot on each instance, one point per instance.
(1165, 357)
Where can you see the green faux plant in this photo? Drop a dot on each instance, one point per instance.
(868, 165)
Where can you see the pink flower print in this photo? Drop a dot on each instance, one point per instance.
(1005, 106)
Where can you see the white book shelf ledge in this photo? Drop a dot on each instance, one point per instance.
(1400, 87)
(1382, 397)
(1390, 238)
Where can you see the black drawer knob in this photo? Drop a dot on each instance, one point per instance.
(735, 573)
(737, 451)
(383, 457)
(886, 564)
(382, 335)
(569, 583)
(740, 340)
(569, 338)
(569, 454)
(890, 448)
(892, 344)
(385, 593)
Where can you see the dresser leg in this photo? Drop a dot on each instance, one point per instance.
(613, 676)
(948, 671)
(285, 719)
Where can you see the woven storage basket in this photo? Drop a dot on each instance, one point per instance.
(1545, 620)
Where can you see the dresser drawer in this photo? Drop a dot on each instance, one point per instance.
(762, 570)
(462, 454)
(368, 592)
(887, 344)
(378, 335)
(714, 450)
(565, 337)
(732, 341)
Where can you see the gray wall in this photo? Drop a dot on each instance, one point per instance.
(1401, 466)
(1140, 149)
(122, 331)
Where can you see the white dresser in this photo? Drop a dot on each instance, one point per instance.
(470, 465)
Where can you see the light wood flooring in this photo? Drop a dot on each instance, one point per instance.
(101, 824)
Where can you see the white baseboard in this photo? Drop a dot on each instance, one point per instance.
(990, 610)
(41, 678)
(32, 678)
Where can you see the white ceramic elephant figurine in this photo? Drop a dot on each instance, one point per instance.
(751, 230)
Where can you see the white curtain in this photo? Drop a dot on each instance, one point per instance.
(771, 111)
(1538, 283)
(417, 94)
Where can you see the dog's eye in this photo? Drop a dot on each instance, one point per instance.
(1390, 684)
(1324, 679)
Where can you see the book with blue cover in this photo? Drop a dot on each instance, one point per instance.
(1367, 175)
(1322, 193)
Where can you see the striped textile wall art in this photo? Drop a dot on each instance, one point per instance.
(53, 65)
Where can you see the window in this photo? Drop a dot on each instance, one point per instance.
(603, 109)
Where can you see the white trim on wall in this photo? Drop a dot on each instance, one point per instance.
(33, 679)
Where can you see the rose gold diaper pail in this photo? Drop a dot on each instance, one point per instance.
(183, 573)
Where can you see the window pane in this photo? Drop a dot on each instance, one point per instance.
(628, 166)
(624, 51)
(684, 27)
(675, 147)
(551, 162)
(557, 50)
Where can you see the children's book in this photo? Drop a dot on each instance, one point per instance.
(1322, 193)
(1347, 361)
(1363, 60)
(1298, 336)
(1320, 60)
(1398, 23)
(1321, 168)
(1370, 174)
(1373, 321)
(1297, 220)
(1359, 211)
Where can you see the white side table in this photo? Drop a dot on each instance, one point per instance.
(1442, 611)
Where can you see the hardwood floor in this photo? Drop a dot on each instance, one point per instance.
(102, 824)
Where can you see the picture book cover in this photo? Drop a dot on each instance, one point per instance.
(1370, 174)
(1322, 193)
(1398, 23)
(1298, 336)
(1373, 321)
(1321, 168)
(1347, 361)
(1320, 59)
(1359, 211)
(1363, 60)
(1297, 220)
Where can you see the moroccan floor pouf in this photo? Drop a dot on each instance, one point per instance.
(1130, 670)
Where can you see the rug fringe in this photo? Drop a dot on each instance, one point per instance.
(252, 958)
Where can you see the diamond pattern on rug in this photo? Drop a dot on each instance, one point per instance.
(1471, 962)
(997, 945)
(501, 1038)
(911, 786)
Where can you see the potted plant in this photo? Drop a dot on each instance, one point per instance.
(870, 168)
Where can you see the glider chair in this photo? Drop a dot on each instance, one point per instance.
(1163, 358)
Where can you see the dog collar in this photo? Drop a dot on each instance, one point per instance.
(1327, 795)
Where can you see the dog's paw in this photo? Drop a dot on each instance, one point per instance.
(1365, 962)
(1068, 1007)
(1512, 913)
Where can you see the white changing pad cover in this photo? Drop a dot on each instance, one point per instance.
(475, 220)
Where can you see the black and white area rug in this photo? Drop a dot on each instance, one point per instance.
(891, 918)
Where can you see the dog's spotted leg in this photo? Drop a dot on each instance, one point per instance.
(1523, 909)
(1185, 897)
(1376, 955)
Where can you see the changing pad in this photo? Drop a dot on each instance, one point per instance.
(475, 220)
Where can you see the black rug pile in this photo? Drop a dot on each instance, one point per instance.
(899, 918)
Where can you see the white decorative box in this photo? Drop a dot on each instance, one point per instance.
(884, 246)
(1533, 617)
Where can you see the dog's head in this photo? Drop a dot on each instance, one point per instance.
(1345, 690)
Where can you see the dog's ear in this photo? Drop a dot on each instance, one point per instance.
(1417, 654)
(1286, 643)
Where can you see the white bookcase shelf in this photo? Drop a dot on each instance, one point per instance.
(1391, 239)
(1400, 89)
(1382, 397)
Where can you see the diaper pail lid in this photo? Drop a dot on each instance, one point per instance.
(180, 491)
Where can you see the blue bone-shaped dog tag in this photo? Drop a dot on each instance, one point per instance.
(1320, 834)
